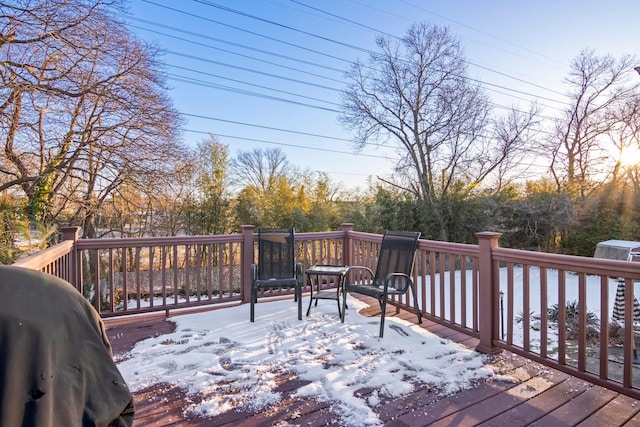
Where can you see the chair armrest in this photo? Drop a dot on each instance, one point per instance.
(391, 277)
(356, 268)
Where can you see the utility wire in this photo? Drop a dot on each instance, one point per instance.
(253, 58)
(482, 32)
(335, 138)
(264, 141)
(248, 31)
(240, 45)
(249, 70)
(314, 35)
(255, 94)
(399, 38)
(311, 63)
(288, 27)
(209, 84)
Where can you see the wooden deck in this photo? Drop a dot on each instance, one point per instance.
(540, 397)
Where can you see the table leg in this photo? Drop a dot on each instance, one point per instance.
(310, 284)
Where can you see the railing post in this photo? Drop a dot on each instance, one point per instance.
(489, 319)
(73, 274)
(347, 253)
(247, 260)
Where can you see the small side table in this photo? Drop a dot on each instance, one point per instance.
(335, 275)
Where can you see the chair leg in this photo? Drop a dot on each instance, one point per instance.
(344, 305)
(415, 302)
(299, 299)
(383, 309)
(253, 301)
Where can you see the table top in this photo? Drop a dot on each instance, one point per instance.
(326, 269)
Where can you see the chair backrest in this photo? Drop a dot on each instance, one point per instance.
(397, 253)
(276, 259)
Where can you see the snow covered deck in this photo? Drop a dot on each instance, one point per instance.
(521, 392)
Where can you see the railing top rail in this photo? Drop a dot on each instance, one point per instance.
(43, 258)
(157, 241)
(319, 235)
(132, 242)
(578, 264)
(365, 236)
(424, 244)
(448, 247)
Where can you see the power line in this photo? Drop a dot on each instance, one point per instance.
(335, 138)
(240, 45)
(248, 31)
(209, 84)
(288, 27)
(480, 31)
(536, 96)
(396, 37)
(249, 93)
(249, 70)
(253, 58)
(264, 141)
(245, 92)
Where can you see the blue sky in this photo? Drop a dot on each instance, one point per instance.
(268, 73)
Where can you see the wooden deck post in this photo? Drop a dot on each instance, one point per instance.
(247, 260)
(347, 257)
(72, 274)
(488, 310)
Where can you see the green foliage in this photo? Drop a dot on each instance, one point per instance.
(208, 211)
(20, 236)
(533, 217)
(572, 313)
(612, 212)
(572, 322)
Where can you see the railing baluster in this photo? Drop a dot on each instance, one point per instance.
(125, 280)
(110, 279)
(562, 317)
(452, 288)
(138, 284)
(544, 312)
(163, 275)
(526, 308)
(582, 322)
(463, 291)
(604, 327)
(152, 291)
(442, 292)
(510, 304)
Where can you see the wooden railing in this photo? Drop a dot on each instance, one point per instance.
(58, 260)
(509, 299)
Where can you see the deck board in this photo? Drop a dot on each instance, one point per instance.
(616, 412)
(539, 395)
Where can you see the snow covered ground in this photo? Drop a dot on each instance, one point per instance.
(234, 362)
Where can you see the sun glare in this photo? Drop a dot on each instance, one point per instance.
(630, 156)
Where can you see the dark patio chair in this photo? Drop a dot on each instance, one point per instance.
(392, 276)
(276, 266)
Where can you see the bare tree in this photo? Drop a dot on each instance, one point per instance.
(625, 137)
(581, 147)
(267, 188)
(82, 109)
(415, 95)
(260, 169)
